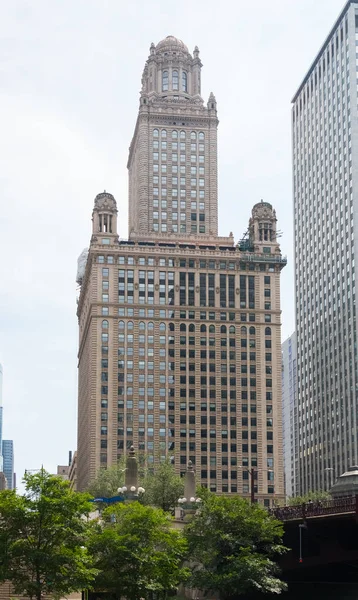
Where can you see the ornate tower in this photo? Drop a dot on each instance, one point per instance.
(262, 228)
(180, 329)
(173, 155)
(104, 217)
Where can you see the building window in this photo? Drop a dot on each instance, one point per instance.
(165, 81)
(175, 80)
(184, 81)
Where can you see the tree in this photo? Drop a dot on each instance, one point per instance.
(310, 497)
(43, 536)
(107, 481)
(137, 552)
(163, 488)
(232, 545)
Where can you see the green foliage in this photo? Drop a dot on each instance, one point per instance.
(107, 481)
(42, 538)
(163, 488)
(137, 552)
(233, 546)
(310, 497)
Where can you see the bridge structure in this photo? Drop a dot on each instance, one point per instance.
(323, 558)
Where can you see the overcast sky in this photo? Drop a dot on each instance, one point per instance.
(70, 75)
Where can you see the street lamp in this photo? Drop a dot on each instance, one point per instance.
(189, 503)
(132, 492)
(130, 489)
(252, 473)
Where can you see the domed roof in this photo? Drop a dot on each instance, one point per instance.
(171, 43)
(105, 201)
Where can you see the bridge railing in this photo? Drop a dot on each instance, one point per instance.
(334, 506)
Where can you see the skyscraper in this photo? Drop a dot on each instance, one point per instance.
(1, 419)
(180, 344)
(289, 412)
(8, 455)
(325, 181)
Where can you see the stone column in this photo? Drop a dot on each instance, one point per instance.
(189, 483)
(131, 476)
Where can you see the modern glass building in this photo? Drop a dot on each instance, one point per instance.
(1, 420)
(289, 412)
(8, 456)
(325, 182)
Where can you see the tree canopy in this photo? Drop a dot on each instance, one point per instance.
(107, 481)
(163, 488)
(310, 497)
(43, 535)
(137, 552)
(233, 546)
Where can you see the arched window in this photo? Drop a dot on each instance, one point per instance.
(203, 328)
(150, 326)
(171, 327)
(267, 330)
(193, 135)
(231, 329)
(184, 81)
(174, 134)
(165, 81)
(162, 327)
(191, 327)
(201, 135)
(252, 330)
(142, 325)
(164, 133)
(130, 325)
(155, 133)
(182, 327)
(211, 328)
(175, 80)
(121, 325)
(243, 330)
(104, 324)
(182, 135)
(223, 329)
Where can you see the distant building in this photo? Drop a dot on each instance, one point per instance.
(1, 419)
(62, 471)
(289, 412)
(3, 482)
(8, 455)
(72, 474)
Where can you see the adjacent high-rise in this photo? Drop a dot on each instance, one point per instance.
(325, 181)
(180, 329)
(289, 413)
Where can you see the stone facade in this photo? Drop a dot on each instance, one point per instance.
(173, 155)
(180, 331)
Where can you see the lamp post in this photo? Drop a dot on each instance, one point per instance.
(189, 501)
(252, 474)
(132, 493)
(131, 490)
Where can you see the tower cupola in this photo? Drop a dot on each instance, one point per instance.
(171, 72)
(104, 216)
(262, 225)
